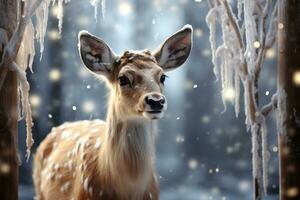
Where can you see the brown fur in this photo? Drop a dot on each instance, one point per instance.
(68, 165)
(112, 160)
(66, 169)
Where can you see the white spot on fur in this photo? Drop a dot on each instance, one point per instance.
(86, 184)
(98, 143)
(65, 187)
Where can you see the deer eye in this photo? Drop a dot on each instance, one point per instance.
(123, 80)
(163, 78)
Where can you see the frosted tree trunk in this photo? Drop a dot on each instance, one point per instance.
(289, 99)
(8, 111)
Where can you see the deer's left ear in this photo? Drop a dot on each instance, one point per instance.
(176, 49)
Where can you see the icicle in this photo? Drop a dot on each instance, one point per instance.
(237, 86)
(30, 44)
(211, 22)
(26, 51)
(41, 23)
(265, 153)
(95, 4)
(103, 8)
(24, 87)
(60, 14)
(24, 60)
(240, 8)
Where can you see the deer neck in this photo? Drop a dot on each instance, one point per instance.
(129, 144)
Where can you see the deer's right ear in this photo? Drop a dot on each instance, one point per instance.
(95, 54)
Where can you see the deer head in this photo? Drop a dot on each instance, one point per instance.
(136, 78)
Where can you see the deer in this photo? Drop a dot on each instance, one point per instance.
(112, 160)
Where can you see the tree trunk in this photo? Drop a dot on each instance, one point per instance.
(289, 99)
(8, 112)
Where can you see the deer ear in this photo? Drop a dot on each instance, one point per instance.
(95, 54)
(176, 49)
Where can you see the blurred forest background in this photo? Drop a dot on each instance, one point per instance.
(203, 153)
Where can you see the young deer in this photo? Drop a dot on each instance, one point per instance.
(114, 159)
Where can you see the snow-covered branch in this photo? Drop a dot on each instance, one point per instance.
(266, 109)
(233, 22)
(273, 27)
(262, 38)
(239, 58)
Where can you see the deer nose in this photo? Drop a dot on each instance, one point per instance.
(155, 101)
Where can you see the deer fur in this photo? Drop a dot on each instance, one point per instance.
(112, 160)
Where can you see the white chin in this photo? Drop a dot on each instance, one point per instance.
(152, 116)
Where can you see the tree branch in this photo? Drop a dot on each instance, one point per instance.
(233, 22)
(273, 26)
(266, 109)
(262, 37)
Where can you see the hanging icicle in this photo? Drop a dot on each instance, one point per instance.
(41, 23)
(103, 8)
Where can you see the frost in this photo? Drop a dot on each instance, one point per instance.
(237, 59)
